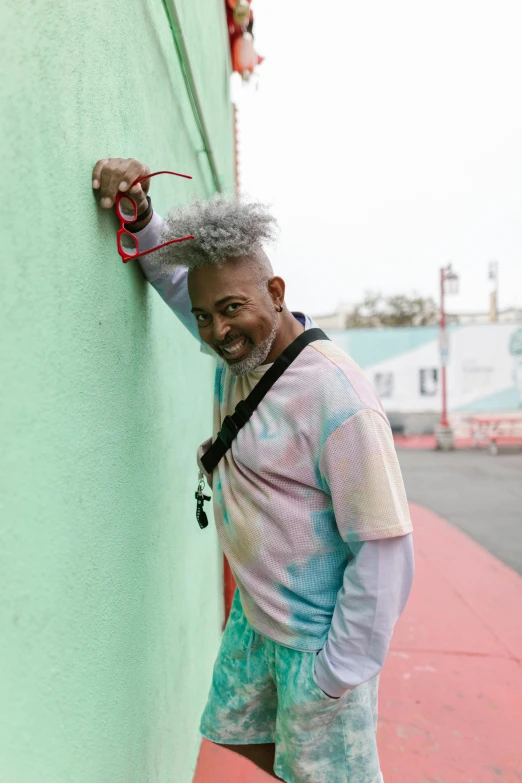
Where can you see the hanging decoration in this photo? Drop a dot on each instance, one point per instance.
(240, 20)
(242, 12)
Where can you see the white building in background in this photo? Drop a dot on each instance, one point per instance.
(484, 370)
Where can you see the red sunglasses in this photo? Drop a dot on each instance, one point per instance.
(128, 212)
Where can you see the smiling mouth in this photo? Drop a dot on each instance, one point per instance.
(235, 348)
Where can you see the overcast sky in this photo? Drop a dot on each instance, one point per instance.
(388, 138)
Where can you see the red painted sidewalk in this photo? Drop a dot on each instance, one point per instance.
(428, 442)
(451, 689)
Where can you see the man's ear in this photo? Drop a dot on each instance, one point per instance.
(276, 288)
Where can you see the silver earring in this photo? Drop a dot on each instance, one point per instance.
(280, 310)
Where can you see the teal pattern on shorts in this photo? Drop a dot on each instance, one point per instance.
(263, 692)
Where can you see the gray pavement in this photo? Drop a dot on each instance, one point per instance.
(476, 492)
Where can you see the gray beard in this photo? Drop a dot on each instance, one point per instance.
(257, 355)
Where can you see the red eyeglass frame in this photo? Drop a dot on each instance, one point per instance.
(126, 257)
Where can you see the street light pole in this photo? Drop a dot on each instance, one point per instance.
(493, 294)
(443, 433)
(443, 343)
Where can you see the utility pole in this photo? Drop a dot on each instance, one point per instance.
(493, 294)
(449, 284)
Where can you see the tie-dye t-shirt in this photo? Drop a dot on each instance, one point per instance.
(314, 469)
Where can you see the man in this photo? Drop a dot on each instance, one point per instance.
(309, 502)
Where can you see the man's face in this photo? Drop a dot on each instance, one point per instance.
(236, 317)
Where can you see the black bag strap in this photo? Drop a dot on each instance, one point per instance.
(245, 408)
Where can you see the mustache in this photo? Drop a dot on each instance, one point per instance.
(230, 339)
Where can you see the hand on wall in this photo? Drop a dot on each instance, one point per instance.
(111, 175)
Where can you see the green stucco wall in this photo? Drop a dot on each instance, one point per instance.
(110, 595)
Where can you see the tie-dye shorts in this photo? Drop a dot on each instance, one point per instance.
(263, 692)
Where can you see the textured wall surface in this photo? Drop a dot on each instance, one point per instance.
(110, 595)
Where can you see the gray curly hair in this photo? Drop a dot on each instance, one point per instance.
(224, 227)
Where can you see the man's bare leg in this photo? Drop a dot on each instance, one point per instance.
(261, 755)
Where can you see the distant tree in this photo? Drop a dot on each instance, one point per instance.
(400, 310)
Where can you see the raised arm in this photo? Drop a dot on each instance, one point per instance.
(113, 175)
(171, 285)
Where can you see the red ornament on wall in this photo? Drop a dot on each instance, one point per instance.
(240, 20)
(242, 12)
(232, 4)
(244, 57)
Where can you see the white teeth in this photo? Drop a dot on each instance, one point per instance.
(235, 349)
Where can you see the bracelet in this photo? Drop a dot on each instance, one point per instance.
(143, 214)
